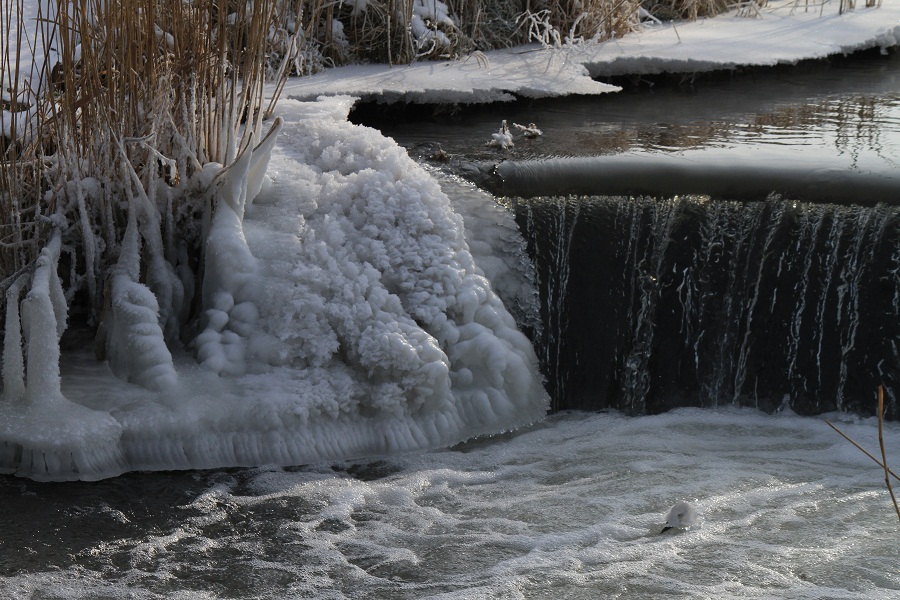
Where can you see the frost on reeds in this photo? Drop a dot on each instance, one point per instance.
(334, 32)
(116, 143)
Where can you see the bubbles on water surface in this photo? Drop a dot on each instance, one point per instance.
(571, 508)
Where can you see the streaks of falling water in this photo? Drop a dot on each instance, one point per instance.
(767, 304)
(558, 217)
(645, 263)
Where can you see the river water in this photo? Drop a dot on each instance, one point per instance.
(571, 508)
(650, 219)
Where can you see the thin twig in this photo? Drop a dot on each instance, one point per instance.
(863, 450)
(887, 479)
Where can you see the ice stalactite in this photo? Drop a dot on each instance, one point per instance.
(135, 343)
(13, 363)
(44, 434)
(44, 315)
(230, 314)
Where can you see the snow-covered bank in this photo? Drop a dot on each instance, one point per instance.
(346, 316)
(783, 32)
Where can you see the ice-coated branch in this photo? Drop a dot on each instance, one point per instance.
(229, 267)
(135, 345)
(43, 322)
(161, 277)
(13, 363)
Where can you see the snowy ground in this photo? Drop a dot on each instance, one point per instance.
(783, 32)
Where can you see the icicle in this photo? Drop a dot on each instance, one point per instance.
(13, 363)
(89, 244)
(43, 327)
(136, 347)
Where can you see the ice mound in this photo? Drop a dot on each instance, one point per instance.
(344, 316)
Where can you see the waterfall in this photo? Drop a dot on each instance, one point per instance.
(649, 304)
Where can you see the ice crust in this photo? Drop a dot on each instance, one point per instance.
(782, 32)
(345, 316)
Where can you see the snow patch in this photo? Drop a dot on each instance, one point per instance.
(783, 33)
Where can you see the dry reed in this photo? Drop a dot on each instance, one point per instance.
(133, 98)
(888, 473)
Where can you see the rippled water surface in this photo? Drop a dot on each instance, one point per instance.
(572, 508)
(844, 112)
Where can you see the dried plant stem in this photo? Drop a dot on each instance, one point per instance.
(887, 479)
(883, 462)
(861, 449)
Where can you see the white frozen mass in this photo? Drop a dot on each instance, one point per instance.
(681, 516)
(345, 316)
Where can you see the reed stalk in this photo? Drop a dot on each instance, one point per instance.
(132, 99)
(888, 473)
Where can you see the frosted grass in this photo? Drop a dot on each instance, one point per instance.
(570, 508)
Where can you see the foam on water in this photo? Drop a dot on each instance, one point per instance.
(571, 508)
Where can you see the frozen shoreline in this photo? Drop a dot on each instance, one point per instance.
(779, 35)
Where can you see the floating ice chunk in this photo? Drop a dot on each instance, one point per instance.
(503, 139)
(530, 131)
(681, 516)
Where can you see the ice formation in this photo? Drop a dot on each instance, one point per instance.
(681, 516)
(503, 139)
(344, 315)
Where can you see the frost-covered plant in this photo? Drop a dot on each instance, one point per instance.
(539, 29)
(686, 9)
(556, 25)
(530, 131)
(116, 145)
(430, 24)
(400, 31)
(503, 139)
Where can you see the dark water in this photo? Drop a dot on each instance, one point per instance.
(731, 239)
(846, 107)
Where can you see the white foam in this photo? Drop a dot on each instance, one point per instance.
(557, 511)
